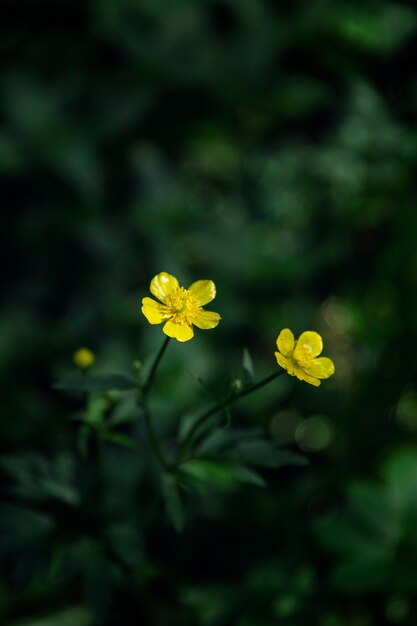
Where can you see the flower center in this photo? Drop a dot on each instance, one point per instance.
(180, 302)
(304, 356)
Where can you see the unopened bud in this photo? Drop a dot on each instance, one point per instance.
(137, 366)
(237, 385)
(83, 358)
(113, 395)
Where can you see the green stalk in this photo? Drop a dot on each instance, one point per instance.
(153, 438)
(226, 403)
(142, 402)
(152, 372)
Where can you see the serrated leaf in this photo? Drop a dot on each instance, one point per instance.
(173, 502)
(105, 382)
(247, 365)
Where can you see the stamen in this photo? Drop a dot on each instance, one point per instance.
(181, 303)
(303, 355)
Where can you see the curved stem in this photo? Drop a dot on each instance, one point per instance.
(142, 402)
(152, 372)
(153, 437)
(226, 403)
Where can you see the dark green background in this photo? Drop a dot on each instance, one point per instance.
(269, 146)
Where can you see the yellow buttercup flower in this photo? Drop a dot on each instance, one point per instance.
(299, 357)
(181, 308)
(84, 358)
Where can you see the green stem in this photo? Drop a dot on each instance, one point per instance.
(153, 438)
(226, 403)
(142, 402)
(149, 381)
(115, 558)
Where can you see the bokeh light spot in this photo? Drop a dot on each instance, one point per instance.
(314, 434)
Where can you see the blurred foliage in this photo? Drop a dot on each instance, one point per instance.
(269, 146)
(376, 534)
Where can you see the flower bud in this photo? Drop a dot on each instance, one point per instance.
(83, 358)
(137, 366)
(113, 395)
(237, 385)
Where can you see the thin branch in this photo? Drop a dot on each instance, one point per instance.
(226, 403)
(151, 376)
(143, 405)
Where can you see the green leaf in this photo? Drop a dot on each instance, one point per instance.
(203, 385)
(106, 382)
(117, 438)
(247, 364)
(37, 478)
(216, 441)
(124, 413)
(96, 407)
(247, 475)
(188, 421)
(214, 602)
(383, 31)
(362, 576)
(173, 502)
(223, 439)
(286, 604)
(206, 471)
(21, 528)
(67, 617)
(221, 474)
(265, 454)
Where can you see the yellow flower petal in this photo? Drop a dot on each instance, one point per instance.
(205, 319)
(287, 364)
(285, 342)
(301, 375)
(154, 312)
(310, 341)
(163, 284)
(294, 370)
(180, 331)
(203, 290)
(321, 368)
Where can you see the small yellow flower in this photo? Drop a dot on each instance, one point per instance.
(180, 308)
(299, 357)
(84, 358)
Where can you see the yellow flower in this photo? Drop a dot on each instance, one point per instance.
(180, 308)
(84, 358)
(299, 357)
